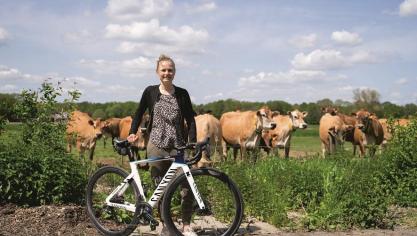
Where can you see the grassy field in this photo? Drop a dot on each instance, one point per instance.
(304, 142)
(312, 187)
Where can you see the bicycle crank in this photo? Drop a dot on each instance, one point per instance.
(145, 215)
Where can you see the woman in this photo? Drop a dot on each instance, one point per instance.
(168, 106)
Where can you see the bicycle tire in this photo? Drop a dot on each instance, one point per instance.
(219, 194)
(109, 220)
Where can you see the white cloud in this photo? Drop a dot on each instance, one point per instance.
(132, 68)
(305, 41)
(346, 38)
(79, 37)
(152, 32)
(17, 81)
(152, 49)
(263, 79)
(294, 86)
(12, 74)
(9, 88)
(83, 81)
(138, 9)
(150, 38)
(4, 35)
(215, 96)
(204, 7)
(330, 59)
(346, 88)
(401, 81)
(408, 8)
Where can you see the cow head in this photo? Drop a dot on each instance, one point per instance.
(265, 117)
(339, 133)
(144, 124)
(331, 110)
(105, 126)
(142, 133)
(97, 126)
(363, 119)
(297, 119)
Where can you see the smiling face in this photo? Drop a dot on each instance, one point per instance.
(166, 71)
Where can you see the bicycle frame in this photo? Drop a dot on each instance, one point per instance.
(178, 163)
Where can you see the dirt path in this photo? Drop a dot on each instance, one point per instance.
(72, 220)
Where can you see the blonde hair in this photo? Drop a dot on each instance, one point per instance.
(164, 57)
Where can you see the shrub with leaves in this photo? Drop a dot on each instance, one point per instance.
(333, 193)
(3, 122)
(36, 169)
(400, 176)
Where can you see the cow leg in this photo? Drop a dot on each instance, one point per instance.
(80, 149)
(354, 149)
(362, 150)
(323, 150)
(69, 147)
(93, 147)
(218, 149)
(69, 143)
(224, 147)
(287, 151)
(372, 150)
(242, 152)
(234, 153)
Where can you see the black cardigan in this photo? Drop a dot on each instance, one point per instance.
(151, 95)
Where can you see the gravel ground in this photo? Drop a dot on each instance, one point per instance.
(72, 220)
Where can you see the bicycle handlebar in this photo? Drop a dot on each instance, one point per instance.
(123, 148)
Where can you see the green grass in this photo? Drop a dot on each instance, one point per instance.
(308, 141)
(11, 132)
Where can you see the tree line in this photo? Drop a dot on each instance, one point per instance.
(362, 98)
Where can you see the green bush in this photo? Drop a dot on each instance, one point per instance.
(2, 124)
(35, 168)
(335, 193)
(400, 177)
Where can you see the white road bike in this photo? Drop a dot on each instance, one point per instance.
(116, 201)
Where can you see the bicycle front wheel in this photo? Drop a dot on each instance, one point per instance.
(107, 219)
(223, 201)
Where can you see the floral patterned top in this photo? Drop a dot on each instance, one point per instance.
(166, 129)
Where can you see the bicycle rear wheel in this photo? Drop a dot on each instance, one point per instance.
(107, 219)
(223, 201)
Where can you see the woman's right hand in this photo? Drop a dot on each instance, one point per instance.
(132, 138)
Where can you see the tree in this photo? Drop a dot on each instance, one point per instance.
(324, 102)
(410, 109)
(7, 102)
(367, 98)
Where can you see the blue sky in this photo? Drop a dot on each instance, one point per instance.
(296, 51)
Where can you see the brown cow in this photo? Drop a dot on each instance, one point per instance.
(371, 133)
(350, 122)
(83, 131)
(124, 128)
(111, 129)
(280, 137)
(208, 126)
(331, 131)
(244, 129)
